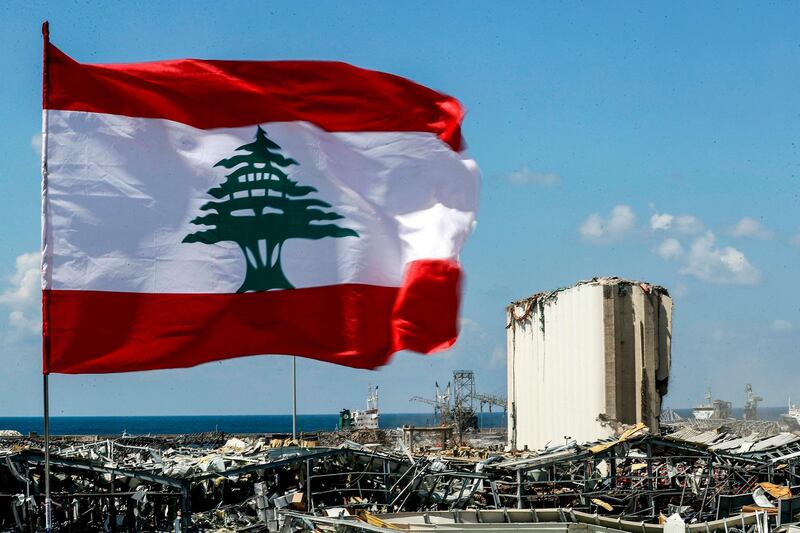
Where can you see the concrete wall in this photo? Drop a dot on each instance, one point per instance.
(583, 358)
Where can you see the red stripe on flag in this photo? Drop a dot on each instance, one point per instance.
(93, 332)
(216, 94)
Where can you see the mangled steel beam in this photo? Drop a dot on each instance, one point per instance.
(246, 484)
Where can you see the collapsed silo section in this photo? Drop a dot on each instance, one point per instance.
(587, 359)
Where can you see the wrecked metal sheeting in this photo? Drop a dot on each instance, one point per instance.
(754, 444)
(723, 433)
(748, 438)
(555, 520)
(120, 487)
(249, 484)
(489, 521)
(639, 478)
(740, 428)
(130, 488)
(599, 350)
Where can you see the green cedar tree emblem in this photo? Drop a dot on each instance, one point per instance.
(259, 208)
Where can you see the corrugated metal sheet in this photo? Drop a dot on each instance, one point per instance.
(707, 437)
(731, 444)
(777, 441)
(686, 434)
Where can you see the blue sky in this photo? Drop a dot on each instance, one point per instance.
(653, 141)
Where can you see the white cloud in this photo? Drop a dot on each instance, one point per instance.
(688, 224)
(795, 240)
(23, 295)
(683, 224)
(526, 176)
(36, 144)
(24, 283)
(670, 249)
(782, 325)
(750, 227)
(661, 221)
(25, 323)
(598, 229)
(709, 262)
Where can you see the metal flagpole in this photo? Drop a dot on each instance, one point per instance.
(294, 398)
(48, 515)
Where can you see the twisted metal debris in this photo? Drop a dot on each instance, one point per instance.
(216, 482)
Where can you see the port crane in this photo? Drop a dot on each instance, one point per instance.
(490, 400)
(751, 403)
(441, 405)
(460, 412)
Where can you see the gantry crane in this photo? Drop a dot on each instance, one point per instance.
(751, 403)
(441, 405)
(460, 412)
(491, 400)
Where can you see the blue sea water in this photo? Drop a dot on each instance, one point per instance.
(170, 425)
(161, 425)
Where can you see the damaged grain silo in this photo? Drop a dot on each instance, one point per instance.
(586, 358)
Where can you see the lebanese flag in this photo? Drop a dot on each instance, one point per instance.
(201, 210)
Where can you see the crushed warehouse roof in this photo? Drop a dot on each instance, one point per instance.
(250, 483)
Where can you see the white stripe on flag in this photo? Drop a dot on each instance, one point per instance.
(122, 193)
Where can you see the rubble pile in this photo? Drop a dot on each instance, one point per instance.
(265, 483)
(360, 436)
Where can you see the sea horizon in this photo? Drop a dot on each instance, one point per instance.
(234, 424)
(250, 424)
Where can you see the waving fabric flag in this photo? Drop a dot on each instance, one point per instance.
(201, 210)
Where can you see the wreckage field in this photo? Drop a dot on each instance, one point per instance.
(723, 475)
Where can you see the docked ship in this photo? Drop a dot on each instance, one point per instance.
(792, 417)
(368, 418)
(712, 409)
